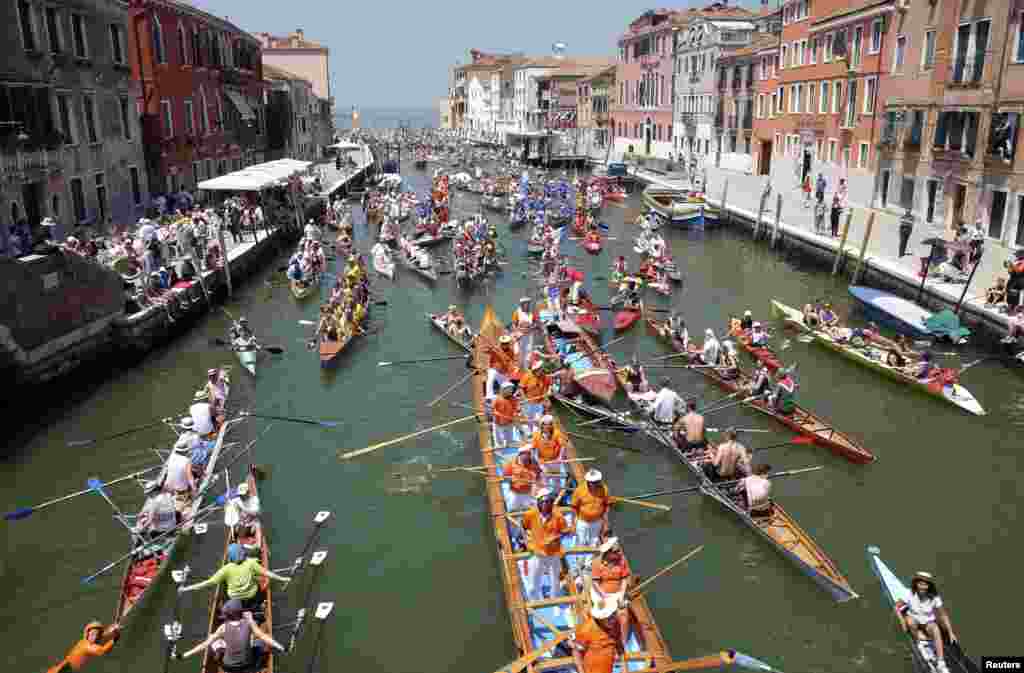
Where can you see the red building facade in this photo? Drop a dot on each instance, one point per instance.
(202, 93)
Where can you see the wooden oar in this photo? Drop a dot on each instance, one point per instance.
(638, 589)
(381, 445)
(25, 512)
(87, 442)
(527, 659)
(657, 366)
(604, 441)
(721, 660)
(733, 482)
(671, 355)
(641, 503)
(451, 389)
(291, 419)
(743, 429)
(96, 486)
(276, 350)
(410, 362)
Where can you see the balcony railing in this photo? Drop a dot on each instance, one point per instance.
(967, 72)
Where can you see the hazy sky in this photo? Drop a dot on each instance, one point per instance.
(397, 54)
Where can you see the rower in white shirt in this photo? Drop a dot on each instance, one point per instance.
(666, 403)
(710, 351)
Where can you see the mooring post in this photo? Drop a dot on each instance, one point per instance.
(760, 215)
(841, 250)
(864, 247)
(724, 213)
(778, 216)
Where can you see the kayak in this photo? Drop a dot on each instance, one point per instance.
(246, 352)
(625, 318)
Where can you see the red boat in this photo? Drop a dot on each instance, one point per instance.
(592, 246)
(594, 374)
(624, 319)
(761, 353)
(801, 421)
(589, 318)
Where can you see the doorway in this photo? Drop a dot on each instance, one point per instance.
(30, 199)
(959, 199)
(647, 138)
(764, 160)
(996, 214)
(806, 167)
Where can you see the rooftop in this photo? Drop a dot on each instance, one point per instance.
(761, 42)
(719, 11)
(275, 72)
(296, 40)
(854, 7)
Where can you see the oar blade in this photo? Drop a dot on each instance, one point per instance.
(81, 442)
(20, 513)
(802, 439)
(749, 663)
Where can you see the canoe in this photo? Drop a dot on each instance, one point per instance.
(872, 357)
(145, 570)
(258, 541)
(645, 644)
(437, 320)
(246, 352)
(593, 247)
(425, 240)
(591, 369)
(625, 318)
(762, 354)
(778, 528)
(801, 421)
(904, 316)
(923, 653)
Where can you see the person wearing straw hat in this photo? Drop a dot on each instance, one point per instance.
(597, 642)
(158, 514)
(238, 644)
(501, 367)
(202, 416)
(591, 502)
(247, 504)
(178, 479)
(544, 525)
(534, 386)
(506, 414)
(923, 614)
(524, 321)
(549, 444)
(523, 475)
(216, 389)
(611, 575)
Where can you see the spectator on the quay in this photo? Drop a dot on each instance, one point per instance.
(977, 241)
(837, 209)
(906, 228)
(819, 188)
(844, 193)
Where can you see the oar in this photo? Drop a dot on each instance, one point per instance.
(738, 430)
(650, 365)
(722, 660)
(291, 419)
(641, 503)
(87, 442)
(25, 512)
(669, 356)
(409, 362)
(451, 389)
(718, 407)
(733, 482)
(323, 611)
(614, 341)
(638, 589)
(604, 441)
(96, 486)
(971, 364)
(276, 350)
(381, 445)
(173, 631)
(527, 659)
(307, 323)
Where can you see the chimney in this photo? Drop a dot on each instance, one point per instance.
(300, 34)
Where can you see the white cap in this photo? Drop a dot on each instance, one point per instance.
(505, 339)
(537, 365)
(609, 544)
(508, 385)
(525, 300)
(187, 422)
(709, 332)
(747, 312)
(243, 489)
(593, 476)
(546, 419)
(526, 448)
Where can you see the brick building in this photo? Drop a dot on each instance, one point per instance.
(594, 95)
(823, 115)
(71, 145)
(290, 115)
(308, 59)
(201, 96)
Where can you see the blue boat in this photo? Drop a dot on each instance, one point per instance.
(906, 317)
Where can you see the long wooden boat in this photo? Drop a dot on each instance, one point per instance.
(430, 273)
(874, 358)
(778, 528)
(146, 568)
(923, 653)
(762, 354)
(257, 541)
(801, 420)
(590, 370)
(437, 320)
(645, 647)
(625, 318)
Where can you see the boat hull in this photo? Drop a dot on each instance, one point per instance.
(624, 319)
(247, 358)
(894, 312)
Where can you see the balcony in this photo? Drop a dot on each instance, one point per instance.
(967, 72)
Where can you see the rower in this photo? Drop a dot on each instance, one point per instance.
(450, 317)
(523, 474)
(611, 577)
(923, 369)
(549, 445)
(534, 385)
(690, 428)
(636, 381)
(544, 525)
(756, 491)
(619, 268)
(747, 322)
(295, 269)
(591, 502)
(729, 366)
(729, 460)
(178, 479)
(524, 320)
(762, 385)
(311, 231)
(665, 404)
(202, 418)
(247, 504)
(158, 515)
(598, 640)
(506, 414)
(216, 391)
(241, 330)
(502, 368)
(677, 329)
(828, 317)
(758, 335)
(89, 647)
(632, 300)
(783, 398)
(239, 575)
(711, 349)
(233, 645)
(923, 616)
(577, 293)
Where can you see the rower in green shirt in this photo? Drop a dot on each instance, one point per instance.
(239, 575)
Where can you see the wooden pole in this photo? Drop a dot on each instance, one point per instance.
(841, 250)
(224, 251)
(778, 216)
(724, 214)
(864, 248)
(760, 215)
(966, 285)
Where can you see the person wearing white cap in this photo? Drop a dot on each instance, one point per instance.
(550, 447)
(747, 322)
(598, 640)
(247, 504)
(610, 575)
(202, 417)
(311, 231)
(710, 351)
(591, 502)
(506, 415)
(158, 514)
(216, 390)
(523, 475)
(729, 365)
(178, 478)
(758, 335)
(502, 364)
(544, 525)
(524, 322)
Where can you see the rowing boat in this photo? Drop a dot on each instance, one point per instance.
(778, 528)
(801, 420)
(147, 567)
(923, 652)
(590, 371)
(942, 384)
(438, 321)
(403, 254)
(384, 265)
(645, 646)
(625, 318)
(592, 246)
(762, 354)
(264, 618)
(246, 350)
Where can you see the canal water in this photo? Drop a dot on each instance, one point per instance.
(414, 572)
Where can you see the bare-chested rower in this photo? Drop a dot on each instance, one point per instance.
(690, 428)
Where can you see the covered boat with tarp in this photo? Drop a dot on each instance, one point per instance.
(906, 317)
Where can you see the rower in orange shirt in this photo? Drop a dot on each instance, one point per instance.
(506, 414)
(550, 447)
(88, 647)
(598, 641)
(611, 575)
(523, 474)
(534, 385)
(544, 526)
(502, 364)
(591, 502)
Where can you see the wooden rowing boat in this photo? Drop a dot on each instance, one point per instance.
(646, 646)
(591, 371)
(942, 385)
(437, 320)
(762, 354)
(145, 569)
(625, 318)
(922, 652)
(801, 420)
(430, 273)
(265, 620)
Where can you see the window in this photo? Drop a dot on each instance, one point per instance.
(117, 44)
(899, 54)
(876, 37)
(837, 96)
(826, 55)
(89, 107)
(168, 118)
(26, 24)
(839, 47)
(65, 118)
(101, 199)
(785, 49)
(125, 107)
(78, 32)
(851, 104)
(209, 168)
(907, 193)
(1019, 49)
(862, 155)
(133, 176)
(53, 30)
(797, 98)
(158, 41)
(183, 56)
(916, 128)
(997, 214)
(77, 199)
(823, 98)
(928, 53)
(195, 173)
(858, 42)
(792, 98)
(814, 51)
(870, 90)
(189, 116)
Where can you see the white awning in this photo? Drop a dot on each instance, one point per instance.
(344, 146)
(241, 104)
(733, 25)
(256, 178)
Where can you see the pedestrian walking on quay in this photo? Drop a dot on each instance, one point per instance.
(819, 188)
(819, 216)
(807, 191)
(906, 228)
(837, 209)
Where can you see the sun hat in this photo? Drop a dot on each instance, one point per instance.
(593, 476)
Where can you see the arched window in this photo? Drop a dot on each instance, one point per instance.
(183, 57)
(15, 212)
(204, 113)
(159, 55)
(55, 206)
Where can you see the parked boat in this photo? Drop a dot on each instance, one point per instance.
(923, 652)
(145, 568)
(465, 341)
(677, 206)
(801, 421)
(942, 384)
(906, 317)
